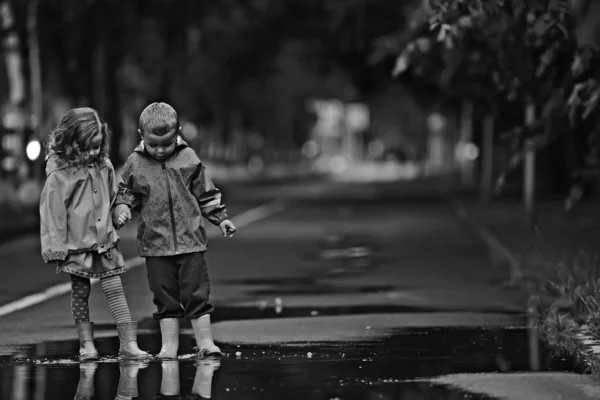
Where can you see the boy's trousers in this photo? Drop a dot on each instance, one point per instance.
(180, 285)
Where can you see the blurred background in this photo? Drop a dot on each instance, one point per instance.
(352, 89)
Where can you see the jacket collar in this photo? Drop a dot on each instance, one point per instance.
(54, 164)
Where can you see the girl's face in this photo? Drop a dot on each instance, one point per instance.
(95, 146)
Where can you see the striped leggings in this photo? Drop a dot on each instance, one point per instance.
(113, 290)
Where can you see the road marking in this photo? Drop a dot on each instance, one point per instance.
(243, 219)
(492, 241)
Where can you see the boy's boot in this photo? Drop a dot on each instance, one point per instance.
(203, 335)
(204, 375)
(87, 350)
(128, 386)
(169, 384)
(85, 386)
(169, 332)
(128, 347)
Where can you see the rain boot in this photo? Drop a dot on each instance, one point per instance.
(169, 384)
(205, 370)
(128, 386)
(203, 335)
(87, 350)
(128, 347)
(85, 386)
(169, 332)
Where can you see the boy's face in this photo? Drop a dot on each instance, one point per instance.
(160, 147)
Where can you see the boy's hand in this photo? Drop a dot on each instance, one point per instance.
(228, 229)
(121, 215)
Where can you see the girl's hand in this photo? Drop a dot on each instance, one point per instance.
(122, 218)
(121, 215)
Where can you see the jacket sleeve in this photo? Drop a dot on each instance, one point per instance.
(208, 196)
(125, 193)
(112, 182)
(53, 218)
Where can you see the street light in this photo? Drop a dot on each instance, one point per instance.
(33, 150)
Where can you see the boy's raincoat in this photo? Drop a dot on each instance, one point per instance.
(173, 196)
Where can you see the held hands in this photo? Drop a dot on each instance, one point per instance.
(121, 215)
(227, 227)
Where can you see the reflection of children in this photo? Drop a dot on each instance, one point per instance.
(166, 180)
(202, 386)
(127, 387)
(85, 386)
(77, 232)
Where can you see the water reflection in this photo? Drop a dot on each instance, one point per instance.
(85, 386)
(127, 386)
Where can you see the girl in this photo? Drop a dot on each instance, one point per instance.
(77, 232)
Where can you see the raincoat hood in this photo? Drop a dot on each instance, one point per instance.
(54, 164)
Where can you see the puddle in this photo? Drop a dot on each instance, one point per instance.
(390, 369)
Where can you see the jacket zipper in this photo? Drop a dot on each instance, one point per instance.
(170, 206)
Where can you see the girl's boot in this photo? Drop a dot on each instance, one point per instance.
(87, 350)
(169, 332)
(203, 335)
(128, 347)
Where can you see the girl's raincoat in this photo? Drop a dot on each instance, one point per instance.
(75, 212)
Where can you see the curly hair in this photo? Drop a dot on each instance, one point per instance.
(70, 140)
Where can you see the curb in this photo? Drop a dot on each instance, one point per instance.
(583, 347)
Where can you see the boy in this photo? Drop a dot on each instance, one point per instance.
(167, 182)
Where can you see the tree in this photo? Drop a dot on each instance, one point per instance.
(509, 50)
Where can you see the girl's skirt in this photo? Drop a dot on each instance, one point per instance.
(92, 264)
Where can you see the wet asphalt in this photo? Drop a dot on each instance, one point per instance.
(396, 366)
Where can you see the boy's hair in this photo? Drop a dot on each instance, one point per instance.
(70, 140)
(158, 119)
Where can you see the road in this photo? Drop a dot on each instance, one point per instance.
(346, 291)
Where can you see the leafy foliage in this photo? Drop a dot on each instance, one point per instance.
(515, 51)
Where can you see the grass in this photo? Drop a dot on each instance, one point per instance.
(560, 263)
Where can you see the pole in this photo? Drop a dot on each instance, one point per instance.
(487, 160)
(466, 136)
(529, 167)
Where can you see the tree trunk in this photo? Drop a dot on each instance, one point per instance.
(35, 82)
(106, 96)
(225, 112)
(35, 68)
(487, 158)
(113, 110)
(12, 134)
(12, 56)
